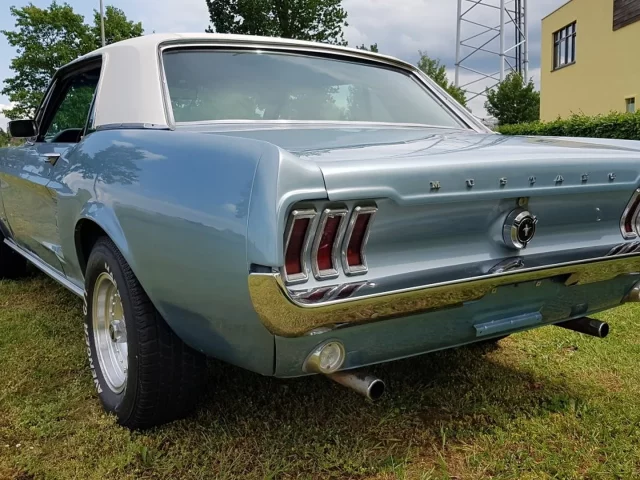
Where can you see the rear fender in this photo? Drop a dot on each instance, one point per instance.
(281, 180)
(179, 217)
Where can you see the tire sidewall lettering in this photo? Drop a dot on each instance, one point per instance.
(94, 366)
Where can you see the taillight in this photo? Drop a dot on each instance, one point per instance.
(629, 220)
(325, 250)
(337, 240)
(353, 253)
(297, 243)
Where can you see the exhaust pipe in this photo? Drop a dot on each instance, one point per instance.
(588, 326)
(366, 385)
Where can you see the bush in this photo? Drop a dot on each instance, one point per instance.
(612, 125)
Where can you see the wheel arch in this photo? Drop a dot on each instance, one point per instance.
(95, 221)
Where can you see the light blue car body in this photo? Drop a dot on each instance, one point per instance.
(199, 210)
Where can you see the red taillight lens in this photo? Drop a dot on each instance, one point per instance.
(354, 249)
(629, 230)
(354, 257)
(296, 242)
(325, 247)
(293, 261)
(327, 241)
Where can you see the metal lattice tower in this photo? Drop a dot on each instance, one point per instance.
(494, 34)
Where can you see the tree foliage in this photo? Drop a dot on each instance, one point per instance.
(116, 27)
(513, 101)
(371, 48)
(314, 20)
(48, 38)
(4, 138)
(438, 73)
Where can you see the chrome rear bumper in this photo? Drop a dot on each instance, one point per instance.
(286, 318)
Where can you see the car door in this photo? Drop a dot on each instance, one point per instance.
(30, 204)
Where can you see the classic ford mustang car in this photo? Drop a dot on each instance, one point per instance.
(295, 208)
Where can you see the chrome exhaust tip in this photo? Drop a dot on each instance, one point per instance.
(588, 326)
(360, 382)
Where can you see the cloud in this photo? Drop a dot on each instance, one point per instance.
(162, 16)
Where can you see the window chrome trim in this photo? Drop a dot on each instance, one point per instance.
(335, 251)
(362, 268)
(467, 119)
(627, 211)
(265, 124)
(306, 243)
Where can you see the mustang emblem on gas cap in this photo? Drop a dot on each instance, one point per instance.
(519, 228)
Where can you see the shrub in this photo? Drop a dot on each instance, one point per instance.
(612, 125)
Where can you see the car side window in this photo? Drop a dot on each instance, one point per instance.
(70, 116)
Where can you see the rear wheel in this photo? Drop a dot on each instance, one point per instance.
(12, 264)
(143, 372)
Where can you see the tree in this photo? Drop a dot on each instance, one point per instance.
(372, 48)
(116, 27)
(438, 73)
(48, 38)
(513, 101)
(315, 20)
(4, 138)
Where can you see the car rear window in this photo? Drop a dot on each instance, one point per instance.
(207, 85)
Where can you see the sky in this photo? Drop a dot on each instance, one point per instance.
(400, 28)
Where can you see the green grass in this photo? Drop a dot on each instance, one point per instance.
(547, 403)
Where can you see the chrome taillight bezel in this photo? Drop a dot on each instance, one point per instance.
(335, 250)
(295, 215)
(362, 268)
(634, 212)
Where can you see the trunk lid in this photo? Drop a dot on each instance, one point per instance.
(461, 166)
(404, 163)
(443, 196)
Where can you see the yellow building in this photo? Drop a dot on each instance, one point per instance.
(589, 59)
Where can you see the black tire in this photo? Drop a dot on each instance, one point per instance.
(12, 264)
(164, 376)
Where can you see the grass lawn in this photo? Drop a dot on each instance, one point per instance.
(547, 403)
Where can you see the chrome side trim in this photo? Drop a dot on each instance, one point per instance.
(335, 251)
(131, 126)
(283, 316)
(626, 213)
(362, 268)
(57, 276)
(630, 247)
(297, 215)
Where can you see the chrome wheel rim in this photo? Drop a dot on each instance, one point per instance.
(109, 332)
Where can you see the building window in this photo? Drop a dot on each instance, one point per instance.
(564, 46)
(631, 105)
